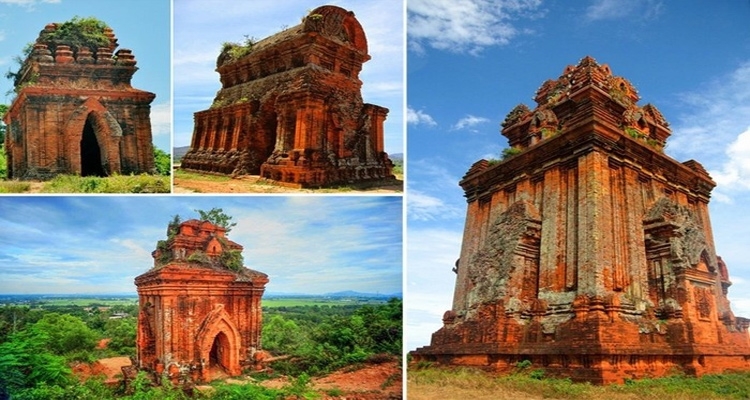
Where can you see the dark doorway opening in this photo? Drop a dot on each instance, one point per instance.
(91, 155)
(219, 355)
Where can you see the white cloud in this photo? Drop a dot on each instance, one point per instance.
(424, 207)
(29, 4)
(615, 9)
(416, 117)
(468, 122)
(466, 26)
(735, 173)
(430, 281)
(161, 119)
(715, 129)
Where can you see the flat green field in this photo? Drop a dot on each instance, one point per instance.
(266, 302)
(85, 302)
(315, 301)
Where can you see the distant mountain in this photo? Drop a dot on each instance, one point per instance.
(179, 152)
(396, 157)
(288, 294)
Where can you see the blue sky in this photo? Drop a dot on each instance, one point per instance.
(471, 61)
(100, 244)
(140, 25)
(200, 27)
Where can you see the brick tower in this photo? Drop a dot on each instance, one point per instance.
(76, 112)
(290, 108)
(588, 251)
(200, 313)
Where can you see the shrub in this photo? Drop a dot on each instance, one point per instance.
(198, 257)
(14, 186)
(143, 183)
(76, 33)
(510, 152)
(163, 162)
(523, 364)
(232, 259)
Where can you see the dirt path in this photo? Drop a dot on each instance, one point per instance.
(371, 382)
(381, 379)
(111, 368)
(195, 183)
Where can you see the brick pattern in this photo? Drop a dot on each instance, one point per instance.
(590, 253)
(292, 111)
(61, 95)
(198, 318)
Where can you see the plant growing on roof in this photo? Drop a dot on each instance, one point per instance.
(77, 33)
(231, 51)
(217, 216)
(510, 152)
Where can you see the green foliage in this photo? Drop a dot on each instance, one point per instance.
(655, 144)
(537, 374)
(121, 333)
(234, 392)
(198, 257)
(234, 51)
(163, 162)
(528, 385)
(320, 342)
(64, 333)
(5, 188)
(3, 127)
(217, 216)
(232, 259)
(548, 132)
(174, 226)
(510, 152)
(143, 183)
(165, 255)
(523, 364)
(300, 388)
(76, 33)
(634, 133)
(3, 161)
(26, 362)
(143, 390)
(282, 335)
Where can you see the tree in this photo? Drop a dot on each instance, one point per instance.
(162, 161)
(174, 226)
(122, 335)
(3, 162)
(217, 216)
(25, 362)
(3, 111)
(282, 335)
(64, 333)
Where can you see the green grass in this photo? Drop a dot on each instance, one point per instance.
(466, 382)
(85, 302)
(182, 174)
(313, 301)
(112, 184)
(14, 187)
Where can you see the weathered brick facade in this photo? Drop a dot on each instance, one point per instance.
(291, 109)
(76, 113)
(590, 252)
(198, 317)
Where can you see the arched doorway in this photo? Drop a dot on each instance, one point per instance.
(91, 155)
(219, 361)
